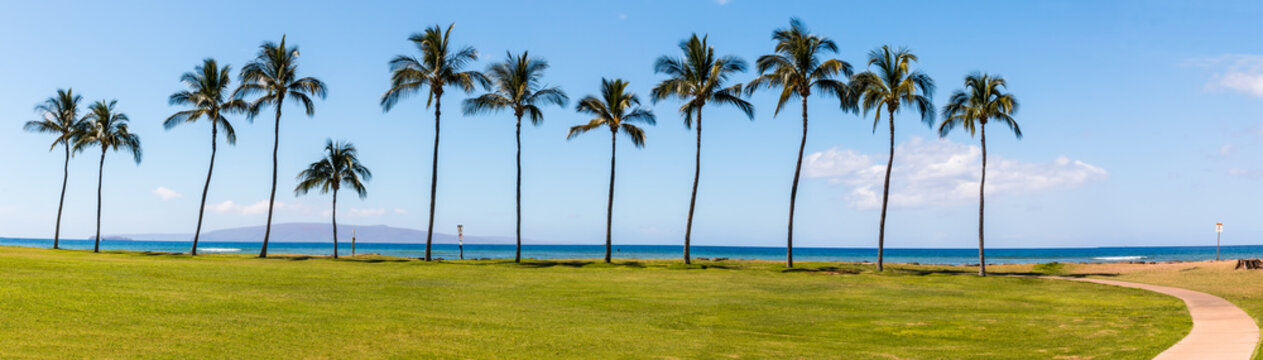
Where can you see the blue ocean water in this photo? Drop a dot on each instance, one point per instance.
(924, 256)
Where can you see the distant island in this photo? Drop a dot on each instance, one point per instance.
(318, 232)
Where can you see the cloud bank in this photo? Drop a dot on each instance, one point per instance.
(941, 173)
(166, 194)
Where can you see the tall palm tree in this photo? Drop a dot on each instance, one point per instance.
(60, 117)
(209, 98)
(797, 69)
(273, 76)
(697, 78)
(438, 67)
(340, 167)
(106, 127)
(892, 87)
(516, 86)
(984, 99)
(618, 110)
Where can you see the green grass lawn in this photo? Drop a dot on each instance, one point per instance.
(74, 304)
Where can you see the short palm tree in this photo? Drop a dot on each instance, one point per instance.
(209, 98)
(893, 86)
(698, 78)
(60, 117)
(106, 127)
(984, 99)
(796, 68)
(340, 167)
(438, 67)
(516, 85)
(273, 76)
(618, 110)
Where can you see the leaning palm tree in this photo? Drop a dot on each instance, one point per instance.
(106, 127)
(60, 117)
(796, 68)
(208, 97)
(438, 67)
(516, 86)
(892, 87)
(618, 110)
(273, 76)
(340, 167)
(697, 78)
(984, 99)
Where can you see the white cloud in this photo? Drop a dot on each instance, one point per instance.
(401, 211)
(166, 194)
(356, 212)
(258, 208)
(722, 2)
(622, 16)
(941, 173)
(1227, 150)
(1235, 72)
(1236, 171)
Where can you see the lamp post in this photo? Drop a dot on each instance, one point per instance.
(1219, 229)
(460, 240)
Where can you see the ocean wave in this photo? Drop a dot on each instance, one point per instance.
(1117, 258)
(220, 249)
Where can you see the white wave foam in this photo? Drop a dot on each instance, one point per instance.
(1116, 258)
(220, 249)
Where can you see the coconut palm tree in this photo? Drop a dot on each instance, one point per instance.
(273, 76)
(516, 86)
(340, 167)
(438, 67)
(106, 127)
(618, 110)
(60, 117)
(797, 69)
(209, 98)
(893, 86)
(698, 78)
(984, 99)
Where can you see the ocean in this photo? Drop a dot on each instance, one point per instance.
(501, 251)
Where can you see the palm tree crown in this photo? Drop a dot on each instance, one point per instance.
(340, 167)
(104, 126)
(437, 68)
(700, 77)
(208, 97)
(516, 85)
(983, 100)
(616, 109)
(273, 75)
(797, 69)
(59, 116)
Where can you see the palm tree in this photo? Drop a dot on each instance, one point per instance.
(273, 75)
(983, 99)
(797, 69)
(340, 167)
(438, 67)
(516, 86)
(616, 109)
(60, 117)
(697, 78)
(208, 97)
(106, 127)
(894, 86)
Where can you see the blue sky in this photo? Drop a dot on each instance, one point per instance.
(1140, 119)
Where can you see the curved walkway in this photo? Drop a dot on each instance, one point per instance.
(1221, 330)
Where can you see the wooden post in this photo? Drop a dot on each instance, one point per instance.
(352, 242)
(460, 240)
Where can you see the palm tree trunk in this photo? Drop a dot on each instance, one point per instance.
(99, 175)
(982, 258)
(697, 174)
(201, 210)
(885, 197)
(276, 145)
(434, 175)
(335, 223)
(793, 191)
(517, 255)
(60, 204)
(609, 210)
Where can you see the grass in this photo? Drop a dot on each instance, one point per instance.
(74, 304)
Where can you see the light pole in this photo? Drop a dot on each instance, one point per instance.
(1219, 230)
(460, 240)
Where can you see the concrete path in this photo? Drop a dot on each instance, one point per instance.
(1221, 330)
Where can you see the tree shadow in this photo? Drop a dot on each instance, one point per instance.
(831, 270)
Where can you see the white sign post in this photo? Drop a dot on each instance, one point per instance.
(460, 238)
(1219, 229)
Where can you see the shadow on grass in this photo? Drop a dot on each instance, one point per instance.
(833, 270)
